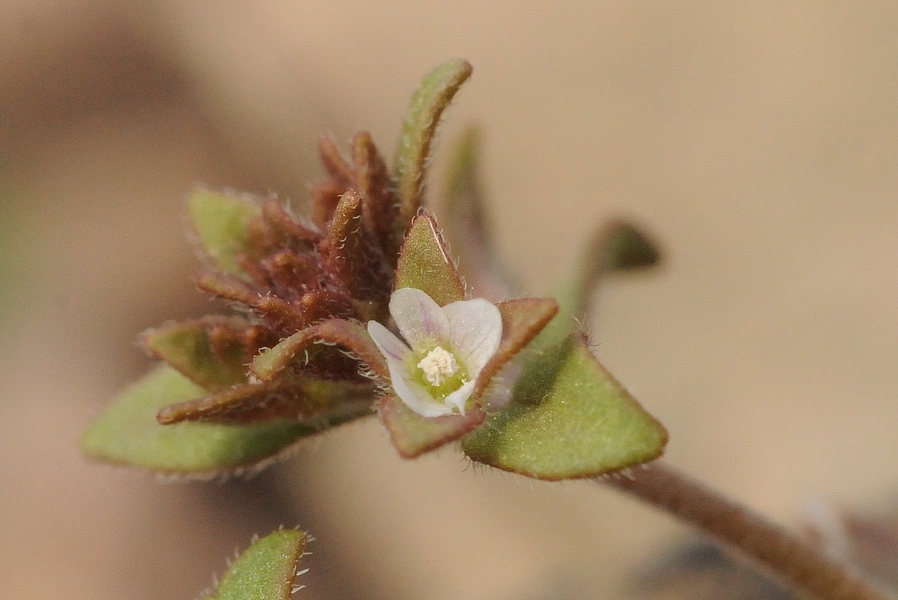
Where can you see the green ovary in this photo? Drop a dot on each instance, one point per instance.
(438, 371)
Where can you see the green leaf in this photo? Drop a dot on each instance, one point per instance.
(424, 263)
(222, 224)
(128, 433)
(428, 103)
(623, 246)
(265, 570)
(463, 194)
(569, 418)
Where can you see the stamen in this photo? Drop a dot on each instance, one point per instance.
(438, 366)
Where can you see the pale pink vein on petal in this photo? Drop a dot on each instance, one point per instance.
(390, 345)
(418, 317)
(475, 328)
(459, 397)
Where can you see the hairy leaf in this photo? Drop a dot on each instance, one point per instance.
(375, 187)
(354, 254)
(428, 103)
(569, 418)
(304, 345)
(265, 570)
(128, 433)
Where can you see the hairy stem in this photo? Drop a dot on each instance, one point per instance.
(778, 551)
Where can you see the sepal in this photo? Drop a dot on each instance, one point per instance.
(425, 263)
(413, 435)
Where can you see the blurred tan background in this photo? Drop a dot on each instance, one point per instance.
(758, 141)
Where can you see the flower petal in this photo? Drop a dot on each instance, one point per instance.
(459, 397)
(418, 317)
(389, 345)
(498, 392)
(414, 395)
(475, 330)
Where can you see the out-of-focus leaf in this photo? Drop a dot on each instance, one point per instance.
(700, 570)
(265, 570)
(703, 571)
(335, 163)
(467, 223)
(618, 246)
(222, 224)
(413, 435)
(128, 433)
(569, 418)
(623, 246)
(425, 264)
(428, 103)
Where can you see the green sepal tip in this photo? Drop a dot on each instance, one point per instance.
(222, 225)
(425, 263)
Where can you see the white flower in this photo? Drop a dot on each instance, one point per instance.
(435, 372)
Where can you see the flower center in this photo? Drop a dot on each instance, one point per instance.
(438, 366)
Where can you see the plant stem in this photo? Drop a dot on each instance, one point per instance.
(776, 550)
